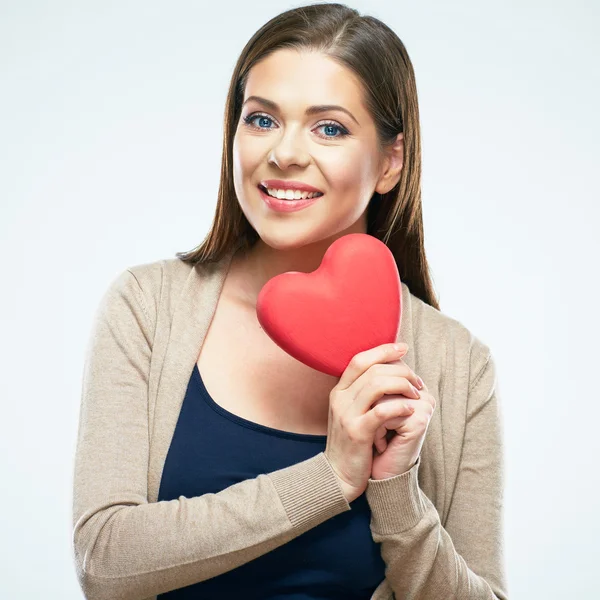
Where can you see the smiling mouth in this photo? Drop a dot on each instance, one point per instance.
(264, 189)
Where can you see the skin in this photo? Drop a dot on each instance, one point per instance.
(285, 143)
(291, 145)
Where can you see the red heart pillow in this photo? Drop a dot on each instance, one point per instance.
(351, 303)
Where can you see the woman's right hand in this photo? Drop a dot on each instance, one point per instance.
(353, 421)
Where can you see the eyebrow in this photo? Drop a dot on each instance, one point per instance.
(311, 110)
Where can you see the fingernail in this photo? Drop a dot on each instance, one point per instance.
(415, 390)
(421, 384)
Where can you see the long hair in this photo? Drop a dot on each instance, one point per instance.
(375, 54)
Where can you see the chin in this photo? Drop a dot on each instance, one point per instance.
(285, 242)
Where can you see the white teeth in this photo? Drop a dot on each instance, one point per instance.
(291, 194)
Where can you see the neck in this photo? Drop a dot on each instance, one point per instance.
(253, 268)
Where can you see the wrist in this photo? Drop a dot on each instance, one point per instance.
(350, 492)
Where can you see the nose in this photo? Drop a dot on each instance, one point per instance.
(288, 150)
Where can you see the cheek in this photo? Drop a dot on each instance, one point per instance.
(350, 175)
(246, 158)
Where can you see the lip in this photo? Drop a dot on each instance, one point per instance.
(286, 205)
(282, 184)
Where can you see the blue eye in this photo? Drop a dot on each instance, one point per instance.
(251, 118)
(329, 124)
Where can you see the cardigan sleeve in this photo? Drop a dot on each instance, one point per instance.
(463, 560)
(128, 548)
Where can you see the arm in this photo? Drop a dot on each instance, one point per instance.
(128, 548)
(463, 561)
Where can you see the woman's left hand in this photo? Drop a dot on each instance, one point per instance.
(398, 442)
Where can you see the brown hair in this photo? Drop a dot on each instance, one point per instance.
(375, 54)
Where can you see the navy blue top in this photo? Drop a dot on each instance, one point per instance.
(213, 449)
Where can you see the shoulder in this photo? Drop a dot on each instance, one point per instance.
(151, 275)
(444, 341)
(152, 283)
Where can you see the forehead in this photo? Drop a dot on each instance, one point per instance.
(295, 79)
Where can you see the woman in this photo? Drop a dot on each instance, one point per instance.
(212, 464)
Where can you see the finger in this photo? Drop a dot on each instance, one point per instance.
(381, 413)
(417, 381)
(396, 423)
(381, 445)
(375, 390)
(363, 360)
(380, 438)
(422, 413)
(398, 368)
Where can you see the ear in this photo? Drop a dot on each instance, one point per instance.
(392, 165)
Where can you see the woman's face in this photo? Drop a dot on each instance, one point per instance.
(333, 151)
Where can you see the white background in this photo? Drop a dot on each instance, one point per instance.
(111, 122)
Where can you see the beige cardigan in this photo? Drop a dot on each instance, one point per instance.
(440, 525)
